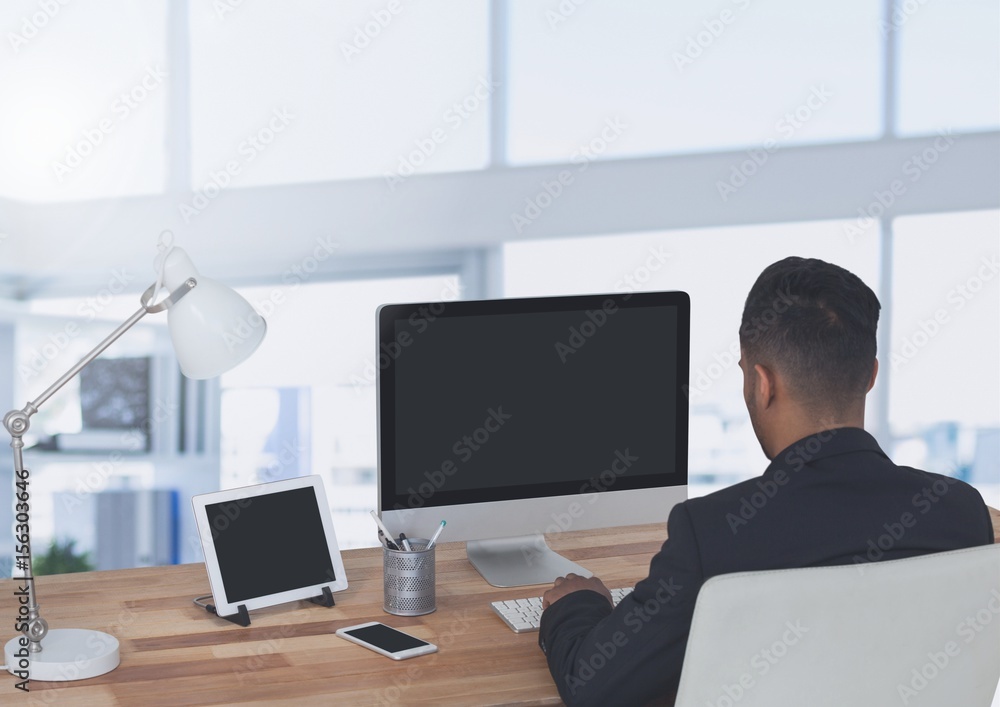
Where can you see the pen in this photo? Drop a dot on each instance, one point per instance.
(436, 534)
(388, 536)
(405, 543)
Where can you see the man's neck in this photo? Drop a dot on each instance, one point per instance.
(799, 424)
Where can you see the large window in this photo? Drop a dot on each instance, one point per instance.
(945, 392)
(107, 102)
(940, 374)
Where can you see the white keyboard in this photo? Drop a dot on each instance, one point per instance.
(524, 615)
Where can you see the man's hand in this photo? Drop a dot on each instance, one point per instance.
(573, 583)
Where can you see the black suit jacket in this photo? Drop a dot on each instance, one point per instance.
(832, 498)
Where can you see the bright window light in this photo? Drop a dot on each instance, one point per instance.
(85, 92)
(946, 321)
(307, 90)
(683, 77)
(948, 66)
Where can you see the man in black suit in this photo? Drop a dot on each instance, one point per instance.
(830, 495)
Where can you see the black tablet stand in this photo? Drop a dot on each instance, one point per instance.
(325, 600)
(242, 616)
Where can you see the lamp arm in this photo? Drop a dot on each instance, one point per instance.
(17, 423)
(147, 308)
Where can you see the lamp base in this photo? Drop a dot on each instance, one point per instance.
(67, 654)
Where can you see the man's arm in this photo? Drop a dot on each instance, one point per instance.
(632, 654)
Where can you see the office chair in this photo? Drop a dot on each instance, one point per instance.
(919, 631)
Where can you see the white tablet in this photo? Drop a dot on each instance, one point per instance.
(268, 544)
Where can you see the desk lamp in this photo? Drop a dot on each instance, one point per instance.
(212, 329)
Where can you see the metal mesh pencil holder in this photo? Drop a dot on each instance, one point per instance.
(408, 579)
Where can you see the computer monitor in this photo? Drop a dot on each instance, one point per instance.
(513, 418)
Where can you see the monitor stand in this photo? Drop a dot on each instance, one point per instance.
(518, 561)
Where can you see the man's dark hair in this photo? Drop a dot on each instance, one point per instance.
(814, 322)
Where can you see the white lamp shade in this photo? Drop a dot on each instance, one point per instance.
(213, 328)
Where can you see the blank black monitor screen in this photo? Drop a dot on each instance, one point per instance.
(507, 399)
(270, 544)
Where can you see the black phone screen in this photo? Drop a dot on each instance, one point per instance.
(386, 638)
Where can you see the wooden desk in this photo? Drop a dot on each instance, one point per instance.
(174, 653)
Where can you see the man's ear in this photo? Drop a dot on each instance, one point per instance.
(871, 383)
(764, 386)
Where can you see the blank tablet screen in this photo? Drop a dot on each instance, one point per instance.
(270, 544)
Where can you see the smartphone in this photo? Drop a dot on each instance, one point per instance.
(386, 640)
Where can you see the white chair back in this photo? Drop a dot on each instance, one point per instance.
(913, 632)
